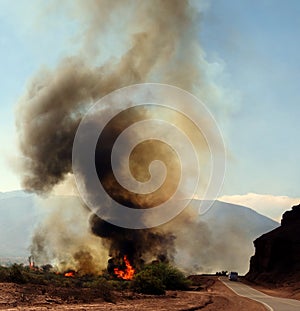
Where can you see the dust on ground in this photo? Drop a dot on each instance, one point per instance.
(208, 293)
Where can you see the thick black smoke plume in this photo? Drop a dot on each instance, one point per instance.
(161, 46)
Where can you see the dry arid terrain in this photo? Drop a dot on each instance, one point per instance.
(211, 294)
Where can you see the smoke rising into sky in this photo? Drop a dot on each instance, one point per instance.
(156, 41)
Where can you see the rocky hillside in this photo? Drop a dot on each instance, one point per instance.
(277, 253)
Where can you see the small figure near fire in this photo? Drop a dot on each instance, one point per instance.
(31, 262)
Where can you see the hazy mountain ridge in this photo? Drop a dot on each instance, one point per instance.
(19, 214)
(17, 218)
(226, 226)
(14, 194)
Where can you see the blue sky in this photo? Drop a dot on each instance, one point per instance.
(26, 45)
(257, 44)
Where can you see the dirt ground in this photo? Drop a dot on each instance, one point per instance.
(210, 295)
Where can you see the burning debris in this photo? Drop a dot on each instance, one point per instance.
(137, 246)
(69, 274)
(127, 273)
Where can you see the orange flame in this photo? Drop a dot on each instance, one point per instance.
(69, 274)
(128, 273)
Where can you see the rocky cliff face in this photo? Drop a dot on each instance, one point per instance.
(277, 253)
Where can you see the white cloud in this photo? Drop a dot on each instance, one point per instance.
(266, 204)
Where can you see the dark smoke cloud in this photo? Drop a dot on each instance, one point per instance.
(136, 244)
(161, 46)
(50, 112)
(140, 159)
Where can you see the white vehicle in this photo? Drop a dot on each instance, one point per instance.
(233, 276)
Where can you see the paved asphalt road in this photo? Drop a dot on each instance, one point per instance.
(272, 303)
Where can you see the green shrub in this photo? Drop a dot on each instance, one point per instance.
(171, 277)
(145, 282)
(4, 274)
(157, 277)
(96, 282)
(119, 285)
(16, 274)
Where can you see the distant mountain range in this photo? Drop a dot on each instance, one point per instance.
(229, 230)
(14, 194)
(18, 215)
